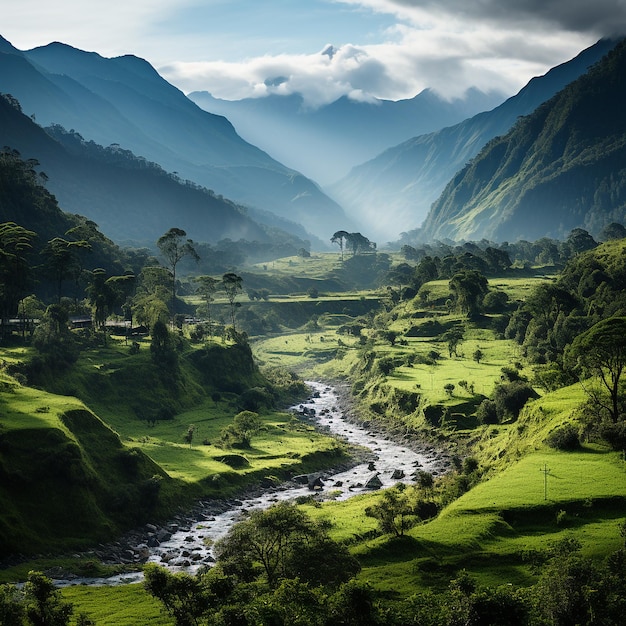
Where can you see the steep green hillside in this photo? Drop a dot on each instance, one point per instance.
(67, 479)
(560, 168)
(406, 179)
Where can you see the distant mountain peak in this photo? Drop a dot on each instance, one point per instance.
(329, 51)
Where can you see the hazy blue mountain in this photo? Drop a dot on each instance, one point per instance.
(559, 168)
(326, 142)
(407, 179)
(125, 101)
(128, 197)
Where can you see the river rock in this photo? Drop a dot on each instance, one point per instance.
(374, 482)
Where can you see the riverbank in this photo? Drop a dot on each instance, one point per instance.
(183, 543)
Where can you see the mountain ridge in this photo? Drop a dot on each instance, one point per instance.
(561, 167)
(342, 133)
(409, 177)
(125, 101)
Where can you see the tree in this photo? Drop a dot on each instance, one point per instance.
(182, 595)
(277, 539)
(161, 346)
(578, 241)
(613, 231)
(453, 338)
(174, 247)
(359, 243)
(207, 286)
(239, 433)
(102, 298)
(477, 355)
(469, 288)
(189, 433)
(232, 286)
(394, 512)
(149, 302)
(340, 237)
(15, 243)
(62, 260)
(601, 350)
(43, 602)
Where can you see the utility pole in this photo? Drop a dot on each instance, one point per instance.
(546, 473)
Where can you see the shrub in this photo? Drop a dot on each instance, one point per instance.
(614, 434)
(487, 413)
(510, 398)
(564, 438)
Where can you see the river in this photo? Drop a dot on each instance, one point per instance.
(185, 545)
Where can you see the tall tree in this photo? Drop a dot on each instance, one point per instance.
(15, 242)
(207, 286)
(340, 237)
(174, 247)
(232, 286)
(601, 350)
(63, 260)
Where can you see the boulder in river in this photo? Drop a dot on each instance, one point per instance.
(374, 482)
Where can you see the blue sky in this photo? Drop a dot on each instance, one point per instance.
(379, 48)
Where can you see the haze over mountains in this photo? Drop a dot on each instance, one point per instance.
(190, 169)
(409, 177)
(326, 142)
(124, 101)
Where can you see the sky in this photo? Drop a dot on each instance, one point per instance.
(325, 49)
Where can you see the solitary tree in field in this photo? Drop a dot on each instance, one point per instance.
(394, 512)
(174, 247)
(601, 350)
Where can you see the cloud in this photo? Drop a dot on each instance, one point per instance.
(399, 48)
(111, 27)
(444, 55)
(600, 17)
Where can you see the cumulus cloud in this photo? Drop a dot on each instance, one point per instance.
(446, 45)
(444, 55)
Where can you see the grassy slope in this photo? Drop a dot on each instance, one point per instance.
(48, 441)
(491, 529)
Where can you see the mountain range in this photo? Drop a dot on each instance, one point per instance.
(124, 101)
(409, 177)
(325, 142)
(561, 167)
(131, 152)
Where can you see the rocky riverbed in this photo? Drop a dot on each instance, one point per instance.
(185, 543)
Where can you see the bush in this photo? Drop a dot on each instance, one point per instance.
(614, 434)
(487, 413)
(510, 398)
(564, 438)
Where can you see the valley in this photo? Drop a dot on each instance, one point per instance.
(227, 405)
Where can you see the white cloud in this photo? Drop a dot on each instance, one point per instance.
(447, 45)
(446, 56)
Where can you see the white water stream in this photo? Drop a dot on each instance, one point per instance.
(189, 546)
